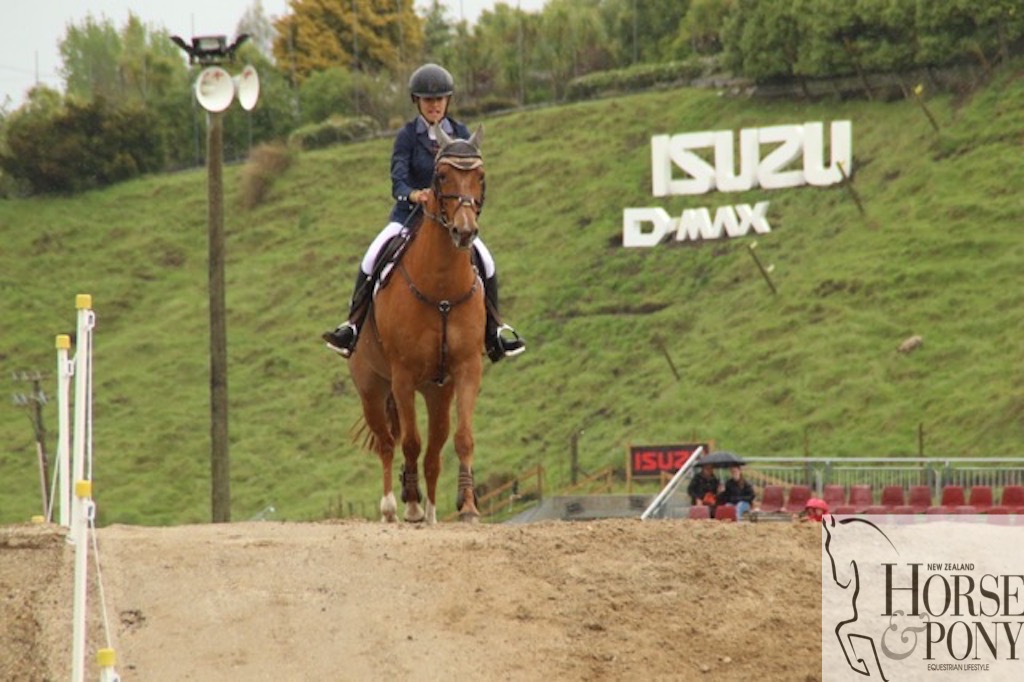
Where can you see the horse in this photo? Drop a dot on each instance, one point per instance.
(424, 333)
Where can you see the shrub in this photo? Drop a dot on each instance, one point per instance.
(634, 78)
(485, 105)
(335, 130)
(266, 164)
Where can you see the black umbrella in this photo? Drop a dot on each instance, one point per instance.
(722, 459)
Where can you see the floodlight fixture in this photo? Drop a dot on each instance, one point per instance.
(210, 49)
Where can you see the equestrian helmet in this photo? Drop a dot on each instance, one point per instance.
(431, 80)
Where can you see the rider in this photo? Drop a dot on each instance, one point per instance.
(412, 171)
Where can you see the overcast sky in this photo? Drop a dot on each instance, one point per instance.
(30, 30)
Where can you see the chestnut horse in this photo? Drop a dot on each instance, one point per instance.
(425, 333)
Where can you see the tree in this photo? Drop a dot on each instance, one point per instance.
(643, 31)
(572, 40)
(438, 34)
(701, 28)
(507, 39)
(90, 55)
(763, 39)
(259, 28)
(79, 144)
(362, 35)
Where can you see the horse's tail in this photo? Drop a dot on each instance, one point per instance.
(363, 436)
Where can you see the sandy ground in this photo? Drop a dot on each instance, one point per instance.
(599, 600)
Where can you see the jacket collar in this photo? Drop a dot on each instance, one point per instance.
(423, 127)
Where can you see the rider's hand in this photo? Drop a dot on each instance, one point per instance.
(418, 196)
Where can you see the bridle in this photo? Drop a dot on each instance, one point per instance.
(462, 156)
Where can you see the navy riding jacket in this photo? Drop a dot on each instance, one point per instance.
(412, 161)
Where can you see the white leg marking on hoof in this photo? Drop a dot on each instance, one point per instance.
(388, 508)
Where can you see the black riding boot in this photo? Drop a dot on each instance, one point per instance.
(499, 346)
(343, 339)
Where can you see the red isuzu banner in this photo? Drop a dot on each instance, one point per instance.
(653, 460)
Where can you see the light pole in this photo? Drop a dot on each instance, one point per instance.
(214, 91)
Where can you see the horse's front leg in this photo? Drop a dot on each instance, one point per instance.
(439, 401)
(467, 387)
(404, 392)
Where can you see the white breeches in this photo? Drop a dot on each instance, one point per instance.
(392, 229)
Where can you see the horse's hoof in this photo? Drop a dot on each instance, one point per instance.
(414, 513)
(469, 517)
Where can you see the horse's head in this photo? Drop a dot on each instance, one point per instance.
(459, 186)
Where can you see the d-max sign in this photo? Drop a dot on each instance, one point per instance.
(774, 169)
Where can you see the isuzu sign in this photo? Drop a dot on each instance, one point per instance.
(775, 157)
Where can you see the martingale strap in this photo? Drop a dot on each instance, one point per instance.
(444, 307)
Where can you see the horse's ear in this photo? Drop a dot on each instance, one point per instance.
(477, 137)
(443, 140)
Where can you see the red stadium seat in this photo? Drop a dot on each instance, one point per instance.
(920, 498)
(773, 499)
(952, 496)
(725, 512)
(980, 497)
(797, 500)
(861, 497)
(904, 510)
(834, 495)
(952, 502)
(843, 510)
(1013, 497)
(892, 496)
(699, 512)
(877, 509)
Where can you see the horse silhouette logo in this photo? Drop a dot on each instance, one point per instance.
(855, 583)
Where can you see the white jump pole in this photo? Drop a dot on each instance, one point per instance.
(65, 370)
(82, 510)
(83, 388)
(672, 485)
(80, 532)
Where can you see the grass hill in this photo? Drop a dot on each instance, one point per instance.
(813, 369)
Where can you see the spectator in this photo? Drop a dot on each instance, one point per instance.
(815, 510)
(738, 492)
(703, 488)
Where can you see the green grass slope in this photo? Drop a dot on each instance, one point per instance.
(812, 369)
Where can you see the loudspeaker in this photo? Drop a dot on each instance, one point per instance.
(214, 89)
(247, 87)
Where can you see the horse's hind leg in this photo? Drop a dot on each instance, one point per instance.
(439, 424)
(376, 409)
